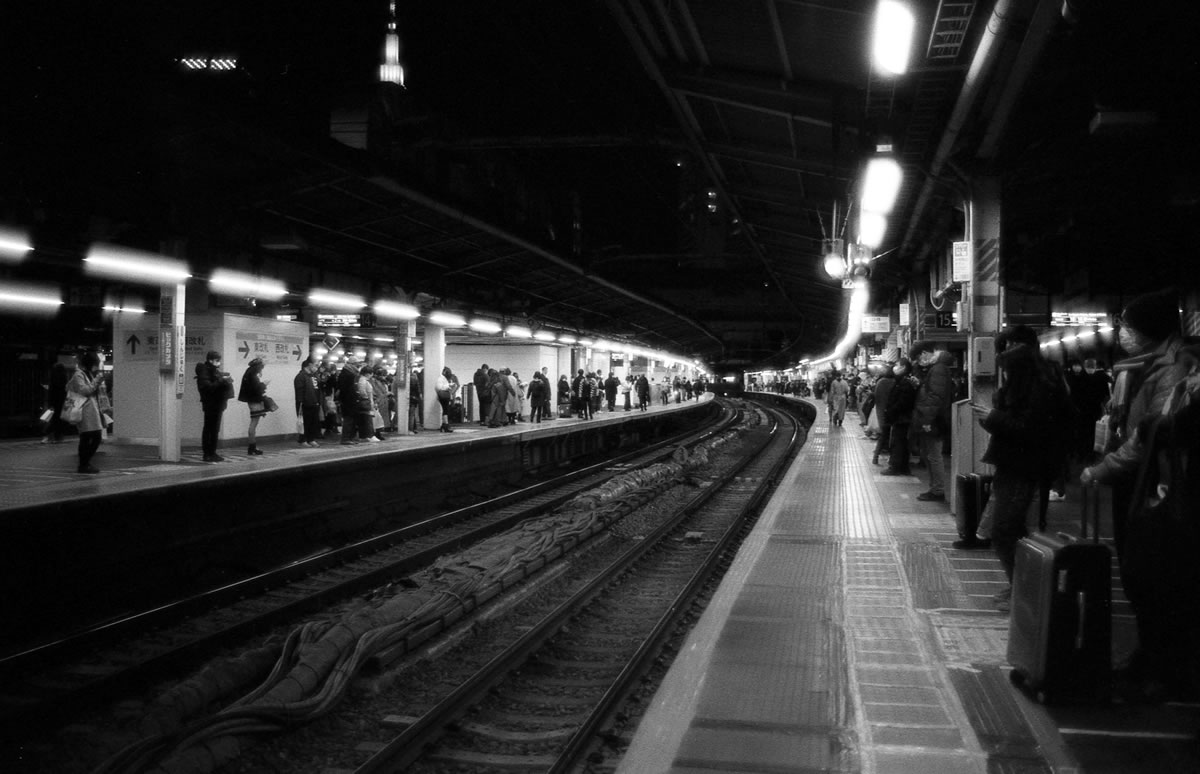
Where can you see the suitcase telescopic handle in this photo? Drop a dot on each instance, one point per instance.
(1091, 504)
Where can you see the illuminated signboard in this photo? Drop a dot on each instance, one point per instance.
(1072, 319)
(339, 321)
(876, 325)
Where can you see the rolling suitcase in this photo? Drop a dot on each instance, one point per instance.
(1060, 632)
(973, 493)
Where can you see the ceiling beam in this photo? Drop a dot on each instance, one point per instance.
(779, 158)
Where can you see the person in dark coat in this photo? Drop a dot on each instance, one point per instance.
(216, 388)
(347, 386)
(483, 392)
(643, 392)
(253, 393)
(308, 403)
(1023, 410)
(931, 414)
(537, 397)
(611, 385)
(898, 415)
(883, 390)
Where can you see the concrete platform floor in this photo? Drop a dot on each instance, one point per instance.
(849, 636)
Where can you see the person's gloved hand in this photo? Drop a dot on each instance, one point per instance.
(1087, 477)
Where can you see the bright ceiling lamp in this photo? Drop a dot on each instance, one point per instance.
(893, 37)
(135, 266)
(544, 336)
(328, 299)
(236, 283)
(881, 185)
(28, 298)
(587, 342)
(396, 311)
(447, 320)
(871, 228)
(484, 326)
(832, 250)
(391, 71)
(14, 245)
(519, 332)
(566, 338)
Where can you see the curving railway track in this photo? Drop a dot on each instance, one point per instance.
(54, 682)
(550, 699)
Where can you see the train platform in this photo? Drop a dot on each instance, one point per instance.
(850, 636)
(35, 472)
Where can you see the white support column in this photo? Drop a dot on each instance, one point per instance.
(404, 366)
(172, 338)
(435, 360)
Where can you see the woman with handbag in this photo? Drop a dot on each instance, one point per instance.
(253, 393)
(86, 388)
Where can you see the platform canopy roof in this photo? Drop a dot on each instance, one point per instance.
(658, 171)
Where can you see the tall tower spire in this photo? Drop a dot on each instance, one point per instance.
(391, 71)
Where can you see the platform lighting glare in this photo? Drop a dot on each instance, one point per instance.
(447, 320)
(566, 338)
(892, 37)
(236, 283)
(29, 298)
(395, 311)
(1086, 335)
(1068, 339)
(587, 343)
(544, 336)
(518, 332)
(123, 309)
(382, 339)
(134, 266)
(835, 266)
(1106, 329)
(332, 300)
(881, 184)
(871, 228)
(484, 326)
(14, 246)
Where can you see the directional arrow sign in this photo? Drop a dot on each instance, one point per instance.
(244, 349)
(298, 352)
(133, 342)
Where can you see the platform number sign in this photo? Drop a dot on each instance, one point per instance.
(947, 319)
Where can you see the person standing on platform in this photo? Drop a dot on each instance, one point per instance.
(627, 388)
(445, 393)
(611, 385)
(382, 414)
(839, 393)
(643, 392)
(308, 404)
(498, 386)
(365, 405)
(931, 414)
(88, 383)
(898, 415)
(1023, 415)
(347, 387)
(416, 399)
(883, 390)
(482, 392)
(536, 396)
(1150, 333)
(253, 393)
(216, 388)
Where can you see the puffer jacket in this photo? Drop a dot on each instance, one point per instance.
(1020, 422)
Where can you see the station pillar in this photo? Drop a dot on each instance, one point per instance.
(172, 338)
(985, 296)
(435, 359)
(405, 334)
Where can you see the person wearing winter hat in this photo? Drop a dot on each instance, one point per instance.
(1150, 334)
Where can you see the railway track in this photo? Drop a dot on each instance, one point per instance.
(547, 701)
(50, 683)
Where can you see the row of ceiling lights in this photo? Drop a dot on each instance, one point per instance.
(138, 267)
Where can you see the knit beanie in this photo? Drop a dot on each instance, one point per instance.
(1154, 315)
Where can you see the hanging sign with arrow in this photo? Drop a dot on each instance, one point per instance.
(273, 348)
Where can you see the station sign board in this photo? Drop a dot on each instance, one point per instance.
(961, 266)
(1073, 319)
(876, 324)
(273, 348)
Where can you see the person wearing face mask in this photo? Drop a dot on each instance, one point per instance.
(1150, 334)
